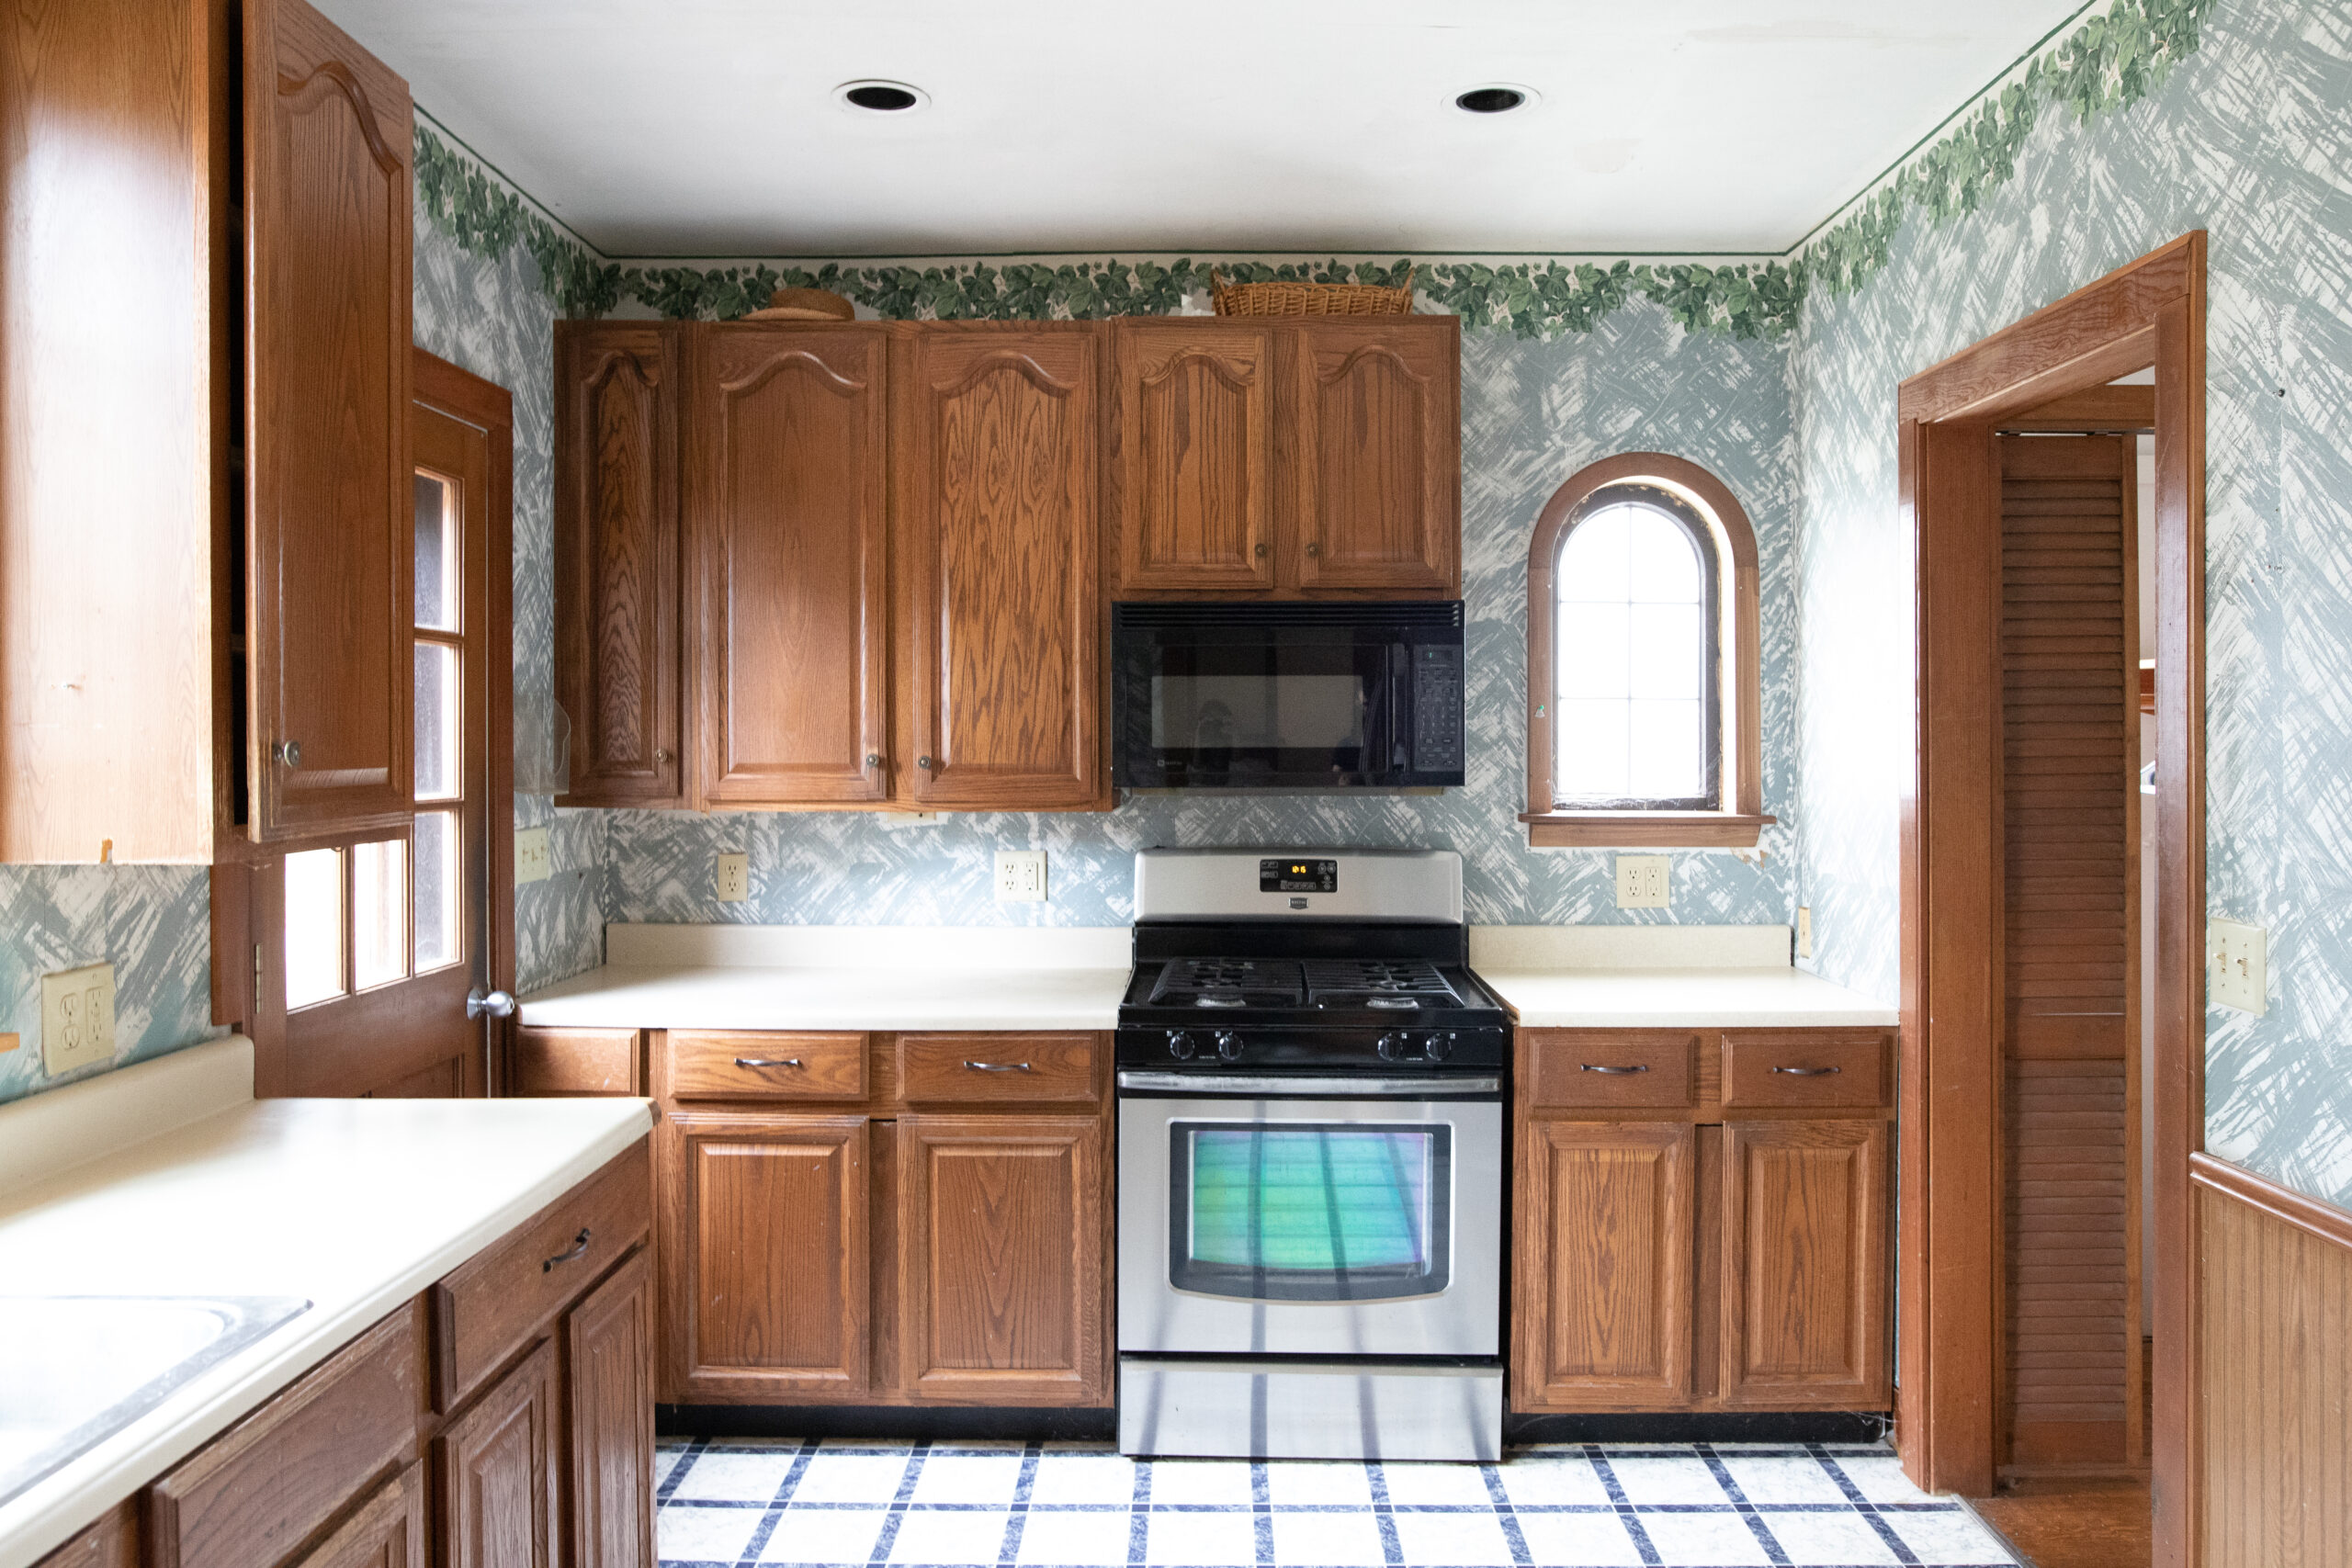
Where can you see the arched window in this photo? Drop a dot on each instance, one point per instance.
(1643, 698)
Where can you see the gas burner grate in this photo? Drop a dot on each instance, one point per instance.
(1227, 983)
(1383, 983)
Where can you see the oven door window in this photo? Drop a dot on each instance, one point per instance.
(1310, 1211)
(1258, 712)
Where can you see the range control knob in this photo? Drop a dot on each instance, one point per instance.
(1438, 1047)
(1391, 1047)
(1228, 1046)
(1180, 1044)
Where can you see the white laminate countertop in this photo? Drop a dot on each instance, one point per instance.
(895, 978)
(1662, 978)
(181, 1184)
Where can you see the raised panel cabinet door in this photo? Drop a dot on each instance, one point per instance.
(330, 554)
(609, 1389)
(1375, 440)
(787, 522)
(1607, 1247)
(998, 506)
(1804, 1286)
(386, 1532)
(1003, 1235)
(497, 1470)
(617, 559)
(763, 1241)
(1191, 455)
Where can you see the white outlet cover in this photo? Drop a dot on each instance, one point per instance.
(1643, 881)
(2237, 967)
(533, 857)
(1804, 931)
(1020, 876)
(77, 1018)
(732, 883)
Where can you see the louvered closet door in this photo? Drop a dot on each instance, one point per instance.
(2069, 664)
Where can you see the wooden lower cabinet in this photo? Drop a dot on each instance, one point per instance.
(1002, 1235)
(497, 1470)
(1804, 1285)
(389, 1530)
(608, 1402)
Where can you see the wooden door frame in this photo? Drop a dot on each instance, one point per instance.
(2149, 313)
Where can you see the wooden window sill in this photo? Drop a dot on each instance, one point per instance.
(1643, 830)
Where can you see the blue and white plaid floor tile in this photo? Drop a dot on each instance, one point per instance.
(741, 1503)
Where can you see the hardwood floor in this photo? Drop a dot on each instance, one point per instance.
(2066, 1521)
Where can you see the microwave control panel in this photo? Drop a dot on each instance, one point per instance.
(1437, 708)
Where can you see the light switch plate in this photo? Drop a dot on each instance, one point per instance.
(534, 858)
(1642, 881)
(733, 881)
(1020, 876)
(899, 822)
(2237, 965)
(77, 1018)
(1804, 931)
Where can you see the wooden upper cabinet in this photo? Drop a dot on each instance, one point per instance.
(997, 432)
(1804, 1284)
(1373, 431)
(327, 175)
(617, 565)
(786, 498)
(1192, 455)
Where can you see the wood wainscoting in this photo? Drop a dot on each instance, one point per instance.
(2274, 1354)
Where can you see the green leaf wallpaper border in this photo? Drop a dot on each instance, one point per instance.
(2110, 60)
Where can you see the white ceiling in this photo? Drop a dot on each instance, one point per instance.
(708, 127)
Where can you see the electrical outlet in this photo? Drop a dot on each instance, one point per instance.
(2237, 965)
(1020, 876)
(533, 857)
(733, 881)
(1804, 931)
(1642, 881)
(77, 1018)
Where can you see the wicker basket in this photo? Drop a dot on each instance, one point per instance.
(805, 305)
(1310, 299)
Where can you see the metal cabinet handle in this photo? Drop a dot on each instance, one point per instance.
(767, 1060)
(1314, 549)
(923, 762)
(874, 759)
(286, 753)
(1808, 1072)
(579, 1249)
(661, 756)
(998, 1066)
(1591, 1068)
(1259, 550)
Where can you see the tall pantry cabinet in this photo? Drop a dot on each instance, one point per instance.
(204, 533)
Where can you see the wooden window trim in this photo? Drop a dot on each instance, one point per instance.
(1739, 826)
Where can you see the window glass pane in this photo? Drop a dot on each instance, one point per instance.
(1596, 561)
(378, 913)
(1665, 565)
(437, 757)
(314, 927)
(1665, 751)
(1593, 649)
(437, 841)
(1592, 751)
(1668, 654)
(436, 553)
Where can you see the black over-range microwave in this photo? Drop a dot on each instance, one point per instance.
(1270, 696)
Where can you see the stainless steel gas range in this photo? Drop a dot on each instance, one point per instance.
(1311, 1158)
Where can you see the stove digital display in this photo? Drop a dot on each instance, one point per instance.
(1298, 877)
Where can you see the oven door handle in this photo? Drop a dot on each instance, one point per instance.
(1268, 1088)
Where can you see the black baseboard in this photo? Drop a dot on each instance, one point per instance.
(903, 1423)
(1706, 1427)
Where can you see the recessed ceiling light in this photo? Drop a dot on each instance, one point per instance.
(1495, 97)
(880, 97)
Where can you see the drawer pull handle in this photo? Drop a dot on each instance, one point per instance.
(579, 1249)
(1808, 1072)
(767, 1060)
(1640, 1068)
(998, 1066)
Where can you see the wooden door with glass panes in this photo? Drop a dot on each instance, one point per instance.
(386, 934)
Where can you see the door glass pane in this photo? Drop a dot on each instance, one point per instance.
(437, 757)
(437, 882)
(436, 553)
(378, 913)
(1310, 1211)
(314, 927)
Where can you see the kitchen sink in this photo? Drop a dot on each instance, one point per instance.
(77, 1370)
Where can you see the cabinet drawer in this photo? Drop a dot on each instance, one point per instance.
(489, 1305)
(997, 1069)
(574, 1061)
(1806, 1070)
(251, 1496)
(1578, 1069)
(112, 1542)
(729, 1064)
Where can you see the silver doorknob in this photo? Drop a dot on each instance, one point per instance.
(874, 759)
(493, 1004)
(288, 753)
